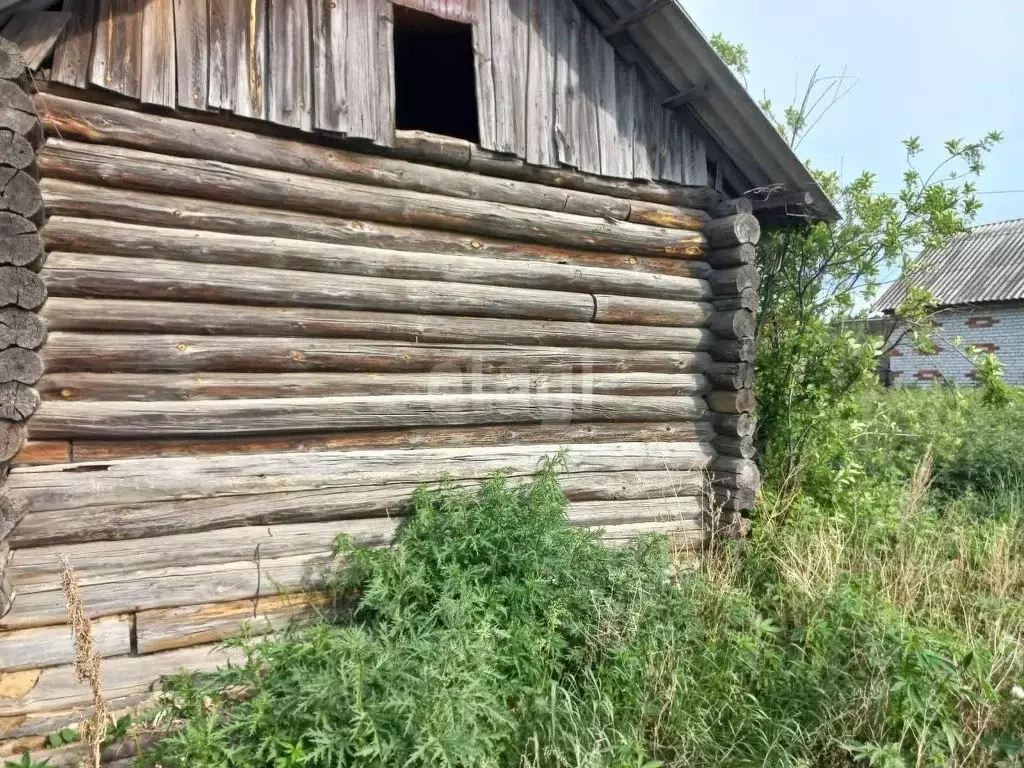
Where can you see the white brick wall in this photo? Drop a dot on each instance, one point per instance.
(1000, 325)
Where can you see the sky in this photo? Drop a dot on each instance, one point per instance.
(934, 68)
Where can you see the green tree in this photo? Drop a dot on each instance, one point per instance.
(817, 280)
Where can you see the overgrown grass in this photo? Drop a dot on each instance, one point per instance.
(887, 629)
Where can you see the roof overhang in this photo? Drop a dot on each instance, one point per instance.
(754, 158)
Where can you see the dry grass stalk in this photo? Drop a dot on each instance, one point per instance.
(917, 490)
(87, 663)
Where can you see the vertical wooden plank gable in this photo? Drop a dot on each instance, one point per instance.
(118, 47)
(289, 69)
(385, 56)
(567, 82)
(695, 163)
(158, 75)
(647, 125)
(484, 77)
(674, 146)
(509, 46)
(540, 106)
(465, 11)
(192, 44)
(74, 48)
(223, 53)
(607, 108)
(361, 68)
(625, 90)
(330, 104)
(589, 148)
(248, 38)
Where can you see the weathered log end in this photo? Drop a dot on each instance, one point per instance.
(12, 63)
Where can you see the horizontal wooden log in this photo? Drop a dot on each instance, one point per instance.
(20, 244)
(20, 287)
(51, 646)
(13, 96)
(143, 387)
(737, 401)
(268, 416)
(131, 481)
(58, 687)
(81, 275)
(59, 451)
(105, 124)
(12, 510)
(738, 229)
(637, 311)
(119, 239)
(110, 594)
(734, 425)
(12, 437)
(742, 447)
(130, 353)
(70, 314)
(682, 535)
(22, 124)
(133, 169)
(729, 282)
(724, 207)
(17, 401)
(745, 299)
(735, 256)
(30, 730)
(55, 528)
(659, 215)
(21, 328)
(731, 500)
(38, 569)
(21, 365)
(733, 325)
(165, 629)
(12, 64)
(19, 194)
(734, 351)
(731, 472)
(445, 150)
(67, 198)
(16, 152)
(730, 375)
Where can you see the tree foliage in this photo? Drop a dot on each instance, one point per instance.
(814, 357)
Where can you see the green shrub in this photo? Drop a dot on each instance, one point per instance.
(493, 634)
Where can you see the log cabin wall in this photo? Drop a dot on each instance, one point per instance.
(258, 342)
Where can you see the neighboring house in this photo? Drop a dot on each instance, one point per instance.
(978, 284)
(302, 256)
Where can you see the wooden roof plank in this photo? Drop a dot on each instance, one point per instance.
(71, 55)
(330, 99)
(509, 45)
(290, 70)
(192, 49)
(118, 47)
(540, 106)
(567, 82)
(249, 40)
(158, 75)
(483, 64)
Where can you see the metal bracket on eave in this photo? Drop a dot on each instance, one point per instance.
(687, 96)
(636, 17)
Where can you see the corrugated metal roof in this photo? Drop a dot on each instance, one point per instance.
(983, 264)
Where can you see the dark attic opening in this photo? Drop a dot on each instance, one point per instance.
(434, 85)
